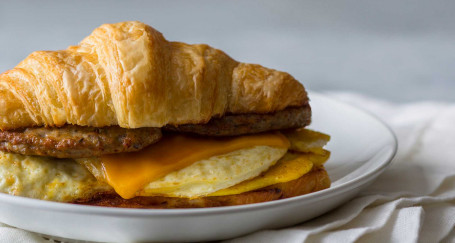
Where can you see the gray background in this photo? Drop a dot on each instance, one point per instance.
(396, 50)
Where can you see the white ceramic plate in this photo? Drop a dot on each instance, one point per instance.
(361, 145)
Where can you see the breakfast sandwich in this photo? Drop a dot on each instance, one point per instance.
(129, 119)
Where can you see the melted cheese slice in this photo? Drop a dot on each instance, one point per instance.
(128, 173)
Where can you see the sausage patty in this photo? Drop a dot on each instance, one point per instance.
(73, 141)
(239, 124)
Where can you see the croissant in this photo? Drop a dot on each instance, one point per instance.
(128, 74)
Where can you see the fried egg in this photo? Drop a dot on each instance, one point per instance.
(47, 178)
(216, 173)
(66, 180)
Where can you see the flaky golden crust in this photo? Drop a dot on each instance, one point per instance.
(127, 74)
(313, 181)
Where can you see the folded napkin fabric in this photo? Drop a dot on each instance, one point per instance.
(412, 201)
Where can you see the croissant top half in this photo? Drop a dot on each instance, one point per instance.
(128, 74)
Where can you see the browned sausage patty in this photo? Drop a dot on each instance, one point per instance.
(234, 125)
(72, 141)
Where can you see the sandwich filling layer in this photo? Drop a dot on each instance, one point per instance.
(245, 169)
(128, 173)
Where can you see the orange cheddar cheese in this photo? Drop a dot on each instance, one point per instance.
(128, 173)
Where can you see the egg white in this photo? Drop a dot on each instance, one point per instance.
(47, 178)
(216, 173)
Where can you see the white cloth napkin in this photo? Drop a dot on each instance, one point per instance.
(413, 201)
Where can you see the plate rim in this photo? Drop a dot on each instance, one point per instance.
(131, 212)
